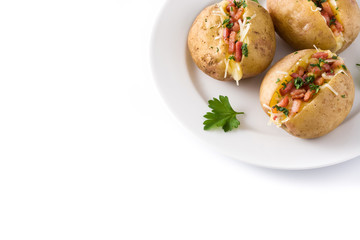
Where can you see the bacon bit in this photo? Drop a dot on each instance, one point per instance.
(231, 3)
(295, 107)
(335, 30)
(294, 75)
(338, 26)
(287, 89)
(298, 93)
(308, 95)
(337, 63)
(238, 51)
(322, 55)
(236, 27)
(226, 34)
(316, 70)
(239, 14)
(233, 12)
(232, 42)
(320, 81)
(284, 102)
(327, 9)
(301, 71)
(326, 67)
(275, 117)
(326, 16)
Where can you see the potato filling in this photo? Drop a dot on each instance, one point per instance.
(328, 11)
(302, 83)
(234, 11)
(235, 27)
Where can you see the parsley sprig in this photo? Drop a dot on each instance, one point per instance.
(222, 115)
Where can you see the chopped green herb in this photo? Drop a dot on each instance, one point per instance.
(240, 3)
(334, 57)
(332, 21)
(282, 109)
(205, 19)
(222, 115)
(248, 18)
(296, 52)
(298, 83)
(244, 49)
(230, 25)
(343, 96)
(232, 57)
(226, 21)
(217, 49)
(256, 1)
(344, 67)
(314, 87)
(309, 79)
(278, 80)
(212, 27)
(232, 9)
(284, 84)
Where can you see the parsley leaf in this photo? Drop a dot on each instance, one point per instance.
(334, 57)
(222, 115)
(278, 80)
(282, 109)
(314, 87)
(245, 50)
(298, 83)
(232, 57)
(344, 67)
(256, 1)
(309, 79)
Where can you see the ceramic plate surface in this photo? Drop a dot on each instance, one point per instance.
(186, 90)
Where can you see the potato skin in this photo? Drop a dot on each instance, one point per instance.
(302, 28)
(261, 45)
(324, 113)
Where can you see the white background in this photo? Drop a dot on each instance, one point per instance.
(89, 150)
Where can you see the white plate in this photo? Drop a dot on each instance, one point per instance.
(186, 90)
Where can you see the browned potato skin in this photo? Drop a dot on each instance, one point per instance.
(302, 28)
(324, 113)
(261, 45)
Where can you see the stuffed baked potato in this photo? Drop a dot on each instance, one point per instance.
(232, 40)
(327, 24)
(308, 93)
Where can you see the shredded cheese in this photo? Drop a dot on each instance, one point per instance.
(316, 48)
(326, 76)
(227, 67)
(316, 9)
(330, 87)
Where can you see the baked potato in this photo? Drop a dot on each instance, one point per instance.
(327, 24)
(308, 93)
(232, 40)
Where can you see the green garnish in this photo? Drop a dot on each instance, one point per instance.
(205, 19)
(344, 67)
(222, 115)
(248, 18)
(284, 84)
(278, 80)
(298, 83)
(230, 25)
(296, 52)
(332, 21)
(309, 79)
(231, 8)
(282, 109)
(343, 96)
(226, 21)
(217, 49)
(232, 57)
(256, 1)
(244, 49)
(334, 57)
(240, 3)
(314, 87)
